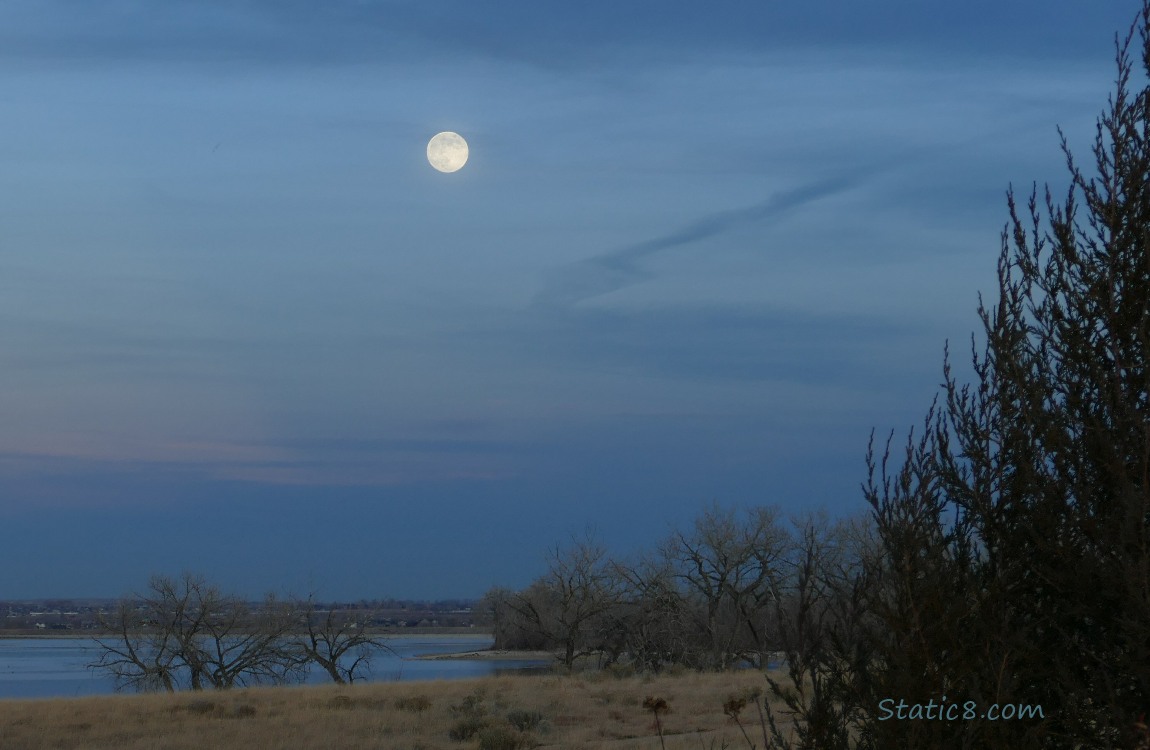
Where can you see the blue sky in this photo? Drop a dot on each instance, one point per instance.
(697, 254)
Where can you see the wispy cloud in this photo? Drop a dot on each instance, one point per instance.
(620, 268)
(311, 462)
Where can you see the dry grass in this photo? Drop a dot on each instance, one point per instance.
(589, 711)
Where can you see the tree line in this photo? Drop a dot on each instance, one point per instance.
(710, 597)
(185, 633)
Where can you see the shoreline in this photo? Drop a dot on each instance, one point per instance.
(473, 655)
(386, 635)
(489, 655)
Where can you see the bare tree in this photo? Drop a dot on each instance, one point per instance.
(653, 625)
(511, 630)
(338, 642)
(186, 632)
(141, 652)
(819, 614)
(240, 645)
(568, 604)
(729, 567)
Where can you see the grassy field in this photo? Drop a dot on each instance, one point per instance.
(499, 713)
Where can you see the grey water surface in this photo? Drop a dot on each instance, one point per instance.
(57, 667)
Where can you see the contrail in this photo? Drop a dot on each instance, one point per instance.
(620, 268)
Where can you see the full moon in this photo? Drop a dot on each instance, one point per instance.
(447, 151)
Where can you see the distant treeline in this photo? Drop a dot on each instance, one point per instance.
(62, 615)
(721, 593)
(186, 633)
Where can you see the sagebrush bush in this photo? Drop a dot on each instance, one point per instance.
(200, 707)
(416, 704)
(471, 705)
(244, 710)
(467, 727)
(503, 738)
(620, 671)
(525, 721)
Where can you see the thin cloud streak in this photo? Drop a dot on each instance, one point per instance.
(618, 269)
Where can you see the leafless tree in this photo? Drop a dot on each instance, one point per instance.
(337, 641)
(141, 650)
(728, 568)
(568, 604)
(186, 632)
(240, 645)
(509, 628)
(653, 627)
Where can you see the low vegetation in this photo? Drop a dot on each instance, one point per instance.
(561, 711)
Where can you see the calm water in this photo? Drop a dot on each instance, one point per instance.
(52, 667)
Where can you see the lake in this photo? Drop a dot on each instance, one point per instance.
(55, 667)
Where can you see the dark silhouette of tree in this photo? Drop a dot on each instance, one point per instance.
(186, 633)
(1015, 537)
(1046, 461)
(1013, 563)
(728, 566)
(821, 621)
(568, 606)
(653, 626)
(508, 628)
(141, 651)
(337, 641)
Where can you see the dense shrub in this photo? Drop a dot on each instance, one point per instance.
(524, 721)
(503, 738)
(467, 727)
(416, 704)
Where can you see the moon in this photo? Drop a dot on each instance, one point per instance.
(447, 151)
